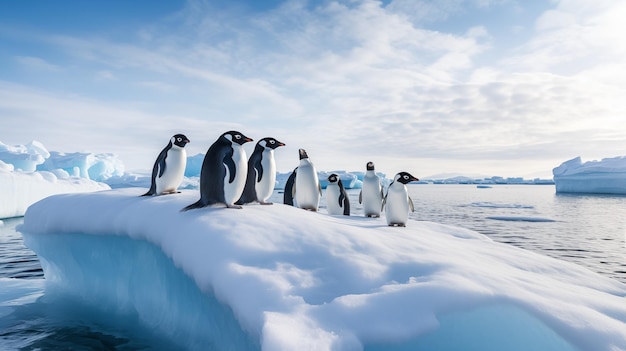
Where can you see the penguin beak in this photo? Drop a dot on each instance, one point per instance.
(249, 139)
(281, 144)
(414, 179)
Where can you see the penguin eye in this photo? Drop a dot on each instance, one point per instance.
(237, 136)
(179, 139)
(406, 177)
(271, 141)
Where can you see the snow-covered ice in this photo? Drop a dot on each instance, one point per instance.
(18, 190)
(281, 278)
(25, 178)
(607, 176)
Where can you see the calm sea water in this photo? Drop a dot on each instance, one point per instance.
(589, 230)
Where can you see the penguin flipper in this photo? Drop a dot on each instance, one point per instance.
(411, 206)
(346, 205)
(258, 167)
(230, 164)
(382, 207)
(161, 163)
(361, 196)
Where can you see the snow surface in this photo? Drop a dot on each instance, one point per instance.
(280, 278)
(607, 176)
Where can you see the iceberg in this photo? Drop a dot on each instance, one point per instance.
(607, 176)
(18, 190)
(29, 173)
(24, 157)
(98, 167)
(280, 278)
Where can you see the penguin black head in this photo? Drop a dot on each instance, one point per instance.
(270, 143)
(405, 178)
(180, 140)
(302, 154)
(236, 137)
(370, 166)
(333, 178)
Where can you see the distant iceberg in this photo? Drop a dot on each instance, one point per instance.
(279, 278)
(607, 176)
(29, 173)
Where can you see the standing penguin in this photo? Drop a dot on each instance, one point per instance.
(261, 177)
(169, 167)
(397, 202)
(223, 173)
(307, 189)
(337, 202)
(371, 195)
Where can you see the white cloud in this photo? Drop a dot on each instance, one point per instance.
(105, 75)
(350, 80)
(37, 63)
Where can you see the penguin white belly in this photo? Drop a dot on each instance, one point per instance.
(397, 205)
(174, 171)
(265, 187)
(371, 196)
(232, 191)
(307, 187)
(332, 200)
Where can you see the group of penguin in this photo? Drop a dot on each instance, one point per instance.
(228, 177)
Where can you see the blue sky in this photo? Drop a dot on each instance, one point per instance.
(493, 87)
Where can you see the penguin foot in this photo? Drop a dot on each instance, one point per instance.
(234, 206)
(266, 203)
(397, 225)
(373, 216)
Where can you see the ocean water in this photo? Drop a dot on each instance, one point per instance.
(589, 230)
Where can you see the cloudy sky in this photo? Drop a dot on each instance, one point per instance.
(492, 87)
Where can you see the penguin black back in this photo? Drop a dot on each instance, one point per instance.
(288, 195)
(343, 198)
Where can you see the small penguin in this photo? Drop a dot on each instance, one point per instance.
(261, 177)
(307, 189)
(223, 172)
(397, 202)
(169, 167)
(371, 195)
(288, 193)
(337, 201)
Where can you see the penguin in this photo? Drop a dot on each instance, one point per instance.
(307, 189)
(371, 195)
(288, 193)
(337, 201)
(397, 202)
(169, 167)
(261, 177)
(223, 172)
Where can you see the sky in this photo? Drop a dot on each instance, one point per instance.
(475, 87)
